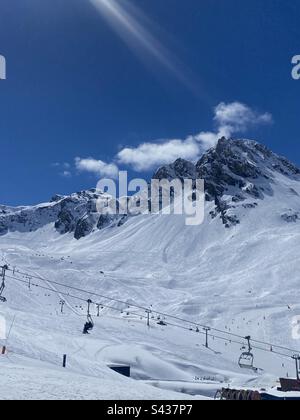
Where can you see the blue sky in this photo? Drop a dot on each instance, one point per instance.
(98, 81)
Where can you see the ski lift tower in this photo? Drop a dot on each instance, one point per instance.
(2, 285)
(207, 330)
(296, 357)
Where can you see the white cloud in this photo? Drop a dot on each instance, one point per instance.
(229, 118)
(237, 117)
(149, 155)
(66, 174)
(64, 169)
(97, 167)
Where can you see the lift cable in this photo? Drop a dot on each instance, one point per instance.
(158, 313)
(213, 336)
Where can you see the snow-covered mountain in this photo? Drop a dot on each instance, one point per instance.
(237, 272)
(76, 213)
(238, 175)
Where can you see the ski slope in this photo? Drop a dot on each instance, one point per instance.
(242, 280)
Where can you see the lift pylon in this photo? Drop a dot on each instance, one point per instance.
(2, 285)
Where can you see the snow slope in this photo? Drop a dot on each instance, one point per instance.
(241, 279)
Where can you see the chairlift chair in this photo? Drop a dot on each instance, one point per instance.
(89, 325)
(2, 287)
(246, 360)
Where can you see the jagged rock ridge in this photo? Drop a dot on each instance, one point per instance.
(76, 214)
(238, 175)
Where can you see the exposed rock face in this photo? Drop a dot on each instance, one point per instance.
(85, 225)
(239, 170)
(3, 229)
(180, 169)
(238, 174)
(291, 216)
(76, 214)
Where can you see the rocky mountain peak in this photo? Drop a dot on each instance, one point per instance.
(76, 214)
(180, 169)
(237, 174)
(239, 163)
(240, 173)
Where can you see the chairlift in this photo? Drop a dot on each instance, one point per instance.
(89, 325)
(162, 323)
(246, 360)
